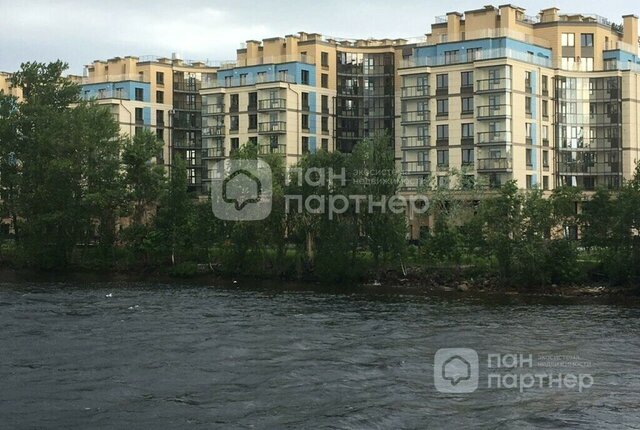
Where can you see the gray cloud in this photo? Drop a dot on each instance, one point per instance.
(81, 31)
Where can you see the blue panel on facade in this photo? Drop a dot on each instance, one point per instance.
(146, 116)
(312, 145)
(312, 114)
(271, 71)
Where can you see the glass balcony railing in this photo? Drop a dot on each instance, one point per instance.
(272, 104)
(213, 109)
(493, 164)
(415, 91)
(493, 137)
(493, 111)
(416, 167)
(489, 85)
(415, 116)
(410, 142)
(268, 148)
(272, 127)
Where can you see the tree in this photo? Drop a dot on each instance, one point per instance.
(56, 146)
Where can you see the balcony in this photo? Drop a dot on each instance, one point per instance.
(272, 104)
(188, 87)
(494, 111)
(415, 117)
(272, 127)
(493, 85)
(416, 167)
(491, 164)
(190, 106)
(493, 137)
(213, 131)
(213, 109)
(268, 148)
(415, 142)
(418, 91)
(212, 153)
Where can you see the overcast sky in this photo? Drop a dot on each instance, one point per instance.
(79, 32)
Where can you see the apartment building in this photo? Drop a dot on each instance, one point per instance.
(159, 94)
(5, 85)
(498, 95)
(301, 93)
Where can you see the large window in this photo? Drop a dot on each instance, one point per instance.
(304, 77)
(442, 81)
(568, 39)
(466, 79)
(442, 132)
(586, 39)
(450, 57)
(467, 130)
(443, 157)
(467, 157)
(467, 105)
(443, 106)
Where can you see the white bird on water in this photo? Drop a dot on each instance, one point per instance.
(109, 295)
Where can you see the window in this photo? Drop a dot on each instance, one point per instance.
(324, 80)
(235, 103)
(586, 39)
(253, 121)
(527, 105)
(545, 159)
(325, 123)
(325, 144)
(253, 141)
(442, 132)
(191, 176)
(261, 77)
(324, 59)
(473, 54)
(467, 105)
(139, 115)
(529, 157)
(160, 78)
(443, 106)
(586, 64)
(545, 109)
(545, 135)
(527, 131)
(160, 118)
(443, 182)
(283, 75)
(545, 182)
(191, 157)
(305, 121)
(442, 156)
(159, 96)
(243, 79)
(568, 39)
(325, 104)
(234, 123)
(568, 63)
(450, 57)
(305, 101)
(467, 157)
(139, 94)
(442, 81)
(160, 134)
(527, 81)
(253, 102)
(235, 143)
(304, 77)
(529, 182)
(467, 131)
(305, 145)
(545, 85)
(466, 79)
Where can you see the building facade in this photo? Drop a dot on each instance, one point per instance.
(498, 95)
(158, 94)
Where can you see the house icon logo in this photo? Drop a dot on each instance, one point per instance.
(241, 190)
(456, 370)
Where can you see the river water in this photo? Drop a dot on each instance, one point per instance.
(142, 355)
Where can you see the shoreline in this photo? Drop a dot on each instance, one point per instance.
(411, 285)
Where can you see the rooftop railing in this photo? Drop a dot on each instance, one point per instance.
(114, 78)
(277, 59)
(237, 81)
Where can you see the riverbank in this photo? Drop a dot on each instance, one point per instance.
(412, 282)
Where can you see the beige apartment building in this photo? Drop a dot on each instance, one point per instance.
(159, 94)
(498, 95)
